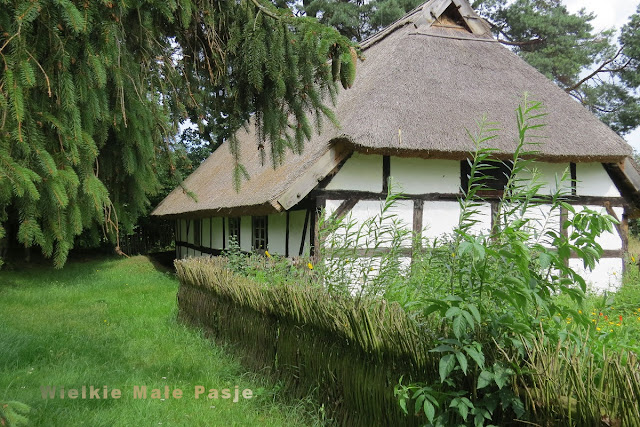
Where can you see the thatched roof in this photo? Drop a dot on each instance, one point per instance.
(423, 83)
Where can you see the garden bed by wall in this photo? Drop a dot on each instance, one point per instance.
(348, 353)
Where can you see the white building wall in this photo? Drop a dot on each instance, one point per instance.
(245, 233)
(190, 228)
(362, 172)
(206, 233)
(439, 218)
(422, 176)
(400, 216)
(217, 232)
(593, 180)
(606, 276)
(296, 225)
(277, 229)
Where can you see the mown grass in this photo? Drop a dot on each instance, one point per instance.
(113, 322)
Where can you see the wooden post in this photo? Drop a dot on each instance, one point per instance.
(418, 213)
(624, 229)
(386, 173)
(286, 237)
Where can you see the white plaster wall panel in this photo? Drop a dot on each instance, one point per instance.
(182, 224)
(205, 230)
(608, 241)
(442, 217)
(361, 172)
(190, 228)
(439, 218)
(296, 225)
(541, 219)
(398, 217)
(361, 212)
(330, 206)
(550, 175)
(593, 180)
(217, 232)
(422, 176)
(401, 216)
(277, 229)
(245, 233)
(605, 277)
(483, 226)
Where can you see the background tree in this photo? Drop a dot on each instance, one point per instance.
(600, 72)
(92, 91)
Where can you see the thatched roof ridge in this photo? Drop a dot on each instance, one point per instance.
(421, 86)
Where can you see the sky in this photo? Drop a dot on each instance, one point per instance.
(609, 14)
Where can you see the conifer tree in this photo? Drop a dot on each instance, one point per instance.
(91, 91)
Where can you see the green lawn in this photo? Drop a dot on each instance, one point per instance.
(113, 322)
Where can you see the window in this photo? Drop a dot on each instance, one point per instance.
(259, 232)
(197, 231)
(234, 230)
(496, 175)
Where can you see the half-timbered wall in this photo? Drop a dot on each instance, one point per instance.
(285, 235)
(431, 188)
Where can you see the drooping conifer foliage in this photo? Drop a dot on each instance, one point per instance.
(91, 91)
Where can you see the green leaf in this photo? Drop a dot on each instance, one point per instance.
(452, 311)
(468, 318)
(463, 410)
(446, 365)
(429, 410)
(442, 349)
(485, 378)
(458, 326)
(476, 355)
(474, 310)
(500, 375)
(462, 361)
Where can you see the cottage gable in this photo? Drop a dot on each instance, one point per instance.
(451, 13)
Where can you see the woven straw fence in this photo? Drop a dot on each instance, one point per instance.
(348, 353)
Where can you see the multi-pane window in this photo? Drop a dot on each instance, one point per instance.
(234, 230)
(197, 231)
(259, 232)
(495, 174)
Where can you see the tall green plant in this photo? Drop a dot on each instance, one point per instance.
(363, 257)
(502, 281)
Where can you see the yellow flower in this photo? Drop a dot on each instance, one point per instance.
(453, 254)
(633, 259)
(597, 329)
(310, 266)
(580, 311)
(267, 254)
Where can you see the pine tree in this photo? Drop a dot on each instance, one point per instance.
(92, 91)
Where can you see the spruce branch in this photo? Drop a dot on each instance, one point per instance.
(43, 72)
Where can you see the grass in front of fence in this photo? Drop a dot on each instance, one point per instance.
(113, 323)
